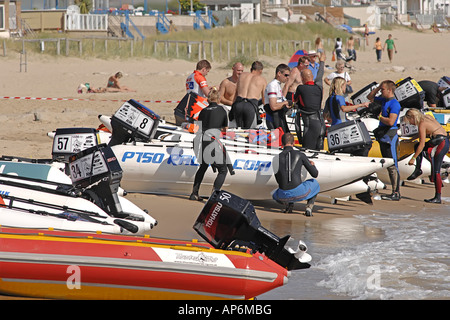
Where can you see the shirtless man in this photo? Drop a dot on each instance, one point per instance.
(227, 88)
(295, 79)
(249, 89)
(350, 45)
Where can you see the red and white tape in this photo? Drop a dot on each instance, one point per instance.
(77, 99)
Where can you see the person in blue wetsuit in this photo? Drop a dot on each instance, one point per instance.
(335, 104)
(336, 108)
(386, 133)
(288, 175)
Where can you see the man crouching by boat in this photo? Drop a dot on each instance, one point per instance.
(212, 119)
(290, 186)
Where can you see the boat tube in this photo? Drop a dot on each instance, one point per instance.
(241, 260)
(90, 203)
(168, 164)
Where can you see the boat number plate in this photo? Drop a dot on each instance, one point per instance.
(73, 143)
(88, 166)
(345, 136)
(135, 118)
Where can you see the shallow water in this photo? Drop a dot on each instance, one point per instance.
(381, 255)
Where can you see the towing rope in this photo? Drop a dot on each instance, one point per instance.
(78, 99)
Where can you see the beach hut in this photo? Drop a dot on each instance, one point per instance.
(9, 18)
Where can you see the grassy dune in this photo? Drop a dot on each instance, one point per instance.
(227, 43)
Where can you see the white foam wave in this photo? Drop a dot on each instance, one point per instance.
(410, 262)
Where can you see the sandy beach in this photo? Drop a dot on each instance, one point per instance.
(25, 123)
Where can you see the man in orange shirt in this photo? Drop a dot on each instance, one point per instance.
(196, 82)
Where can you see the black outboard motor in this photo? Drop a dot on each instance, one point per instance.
(133, 122)
(409, 93)
(227, 222)
(93, 168)
(68, 141)
(97, 168)
(372, 111)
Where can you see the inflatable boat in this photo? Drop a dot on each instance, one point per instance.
(240, 261)
(168, 163)
(37, 195)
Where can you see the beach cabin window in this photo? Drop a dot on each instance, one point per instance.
(2, 17)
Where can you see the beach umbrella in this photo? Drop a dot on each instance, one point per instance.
(294, 59)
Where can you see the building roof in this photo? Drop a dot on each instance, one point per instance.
(228, 2)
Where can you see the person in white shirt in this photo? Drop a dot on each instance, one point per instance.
(275, 99)
(340, 72)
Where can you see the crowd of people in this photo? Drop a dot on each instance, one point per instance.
(300, 90)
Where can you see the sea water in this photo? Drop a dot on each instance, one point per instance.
(380, 255)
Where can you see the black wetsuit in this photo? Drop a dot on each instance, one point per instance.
(291, 188)
(290, 163)
(432, 93)
(212, 117)
(309, 97)
(245, 111)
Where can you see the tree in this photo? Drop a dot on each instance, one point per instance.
(186, 5)
(85, 5)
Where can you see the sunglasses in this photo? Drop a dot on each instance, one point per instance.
(286, 74)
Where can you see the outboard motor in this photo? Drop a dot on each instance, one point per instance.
(409, 93)
(97, 168)
(372, 111)
(349, 137)
(93, 169)
(361, 96)
(68, 141)
(229, 222)
(133, 122)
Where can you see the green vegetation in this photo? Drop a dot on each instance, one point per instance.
(244, 42)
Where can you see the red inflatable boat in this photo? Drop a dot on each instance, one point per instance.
(73, 265)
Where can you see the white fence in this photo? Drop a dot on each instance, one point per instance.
(86, 22)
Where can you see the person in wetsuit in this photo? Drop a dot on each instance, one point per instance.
(291, 188)
(335, 111)
(386, 132)
(309, 100)
(249, 89)
(212, 119)
(276, 103)
(433, 93)
(439, 143)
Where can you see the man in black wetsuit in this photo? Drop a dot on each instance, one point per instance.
(309, 100)
(275, 98)
(433, 94)
(249, 89)
(212, 119)
(288, 175)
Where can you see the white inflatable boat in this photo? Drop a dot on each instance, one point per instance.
(168, 164)
(37, 195)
